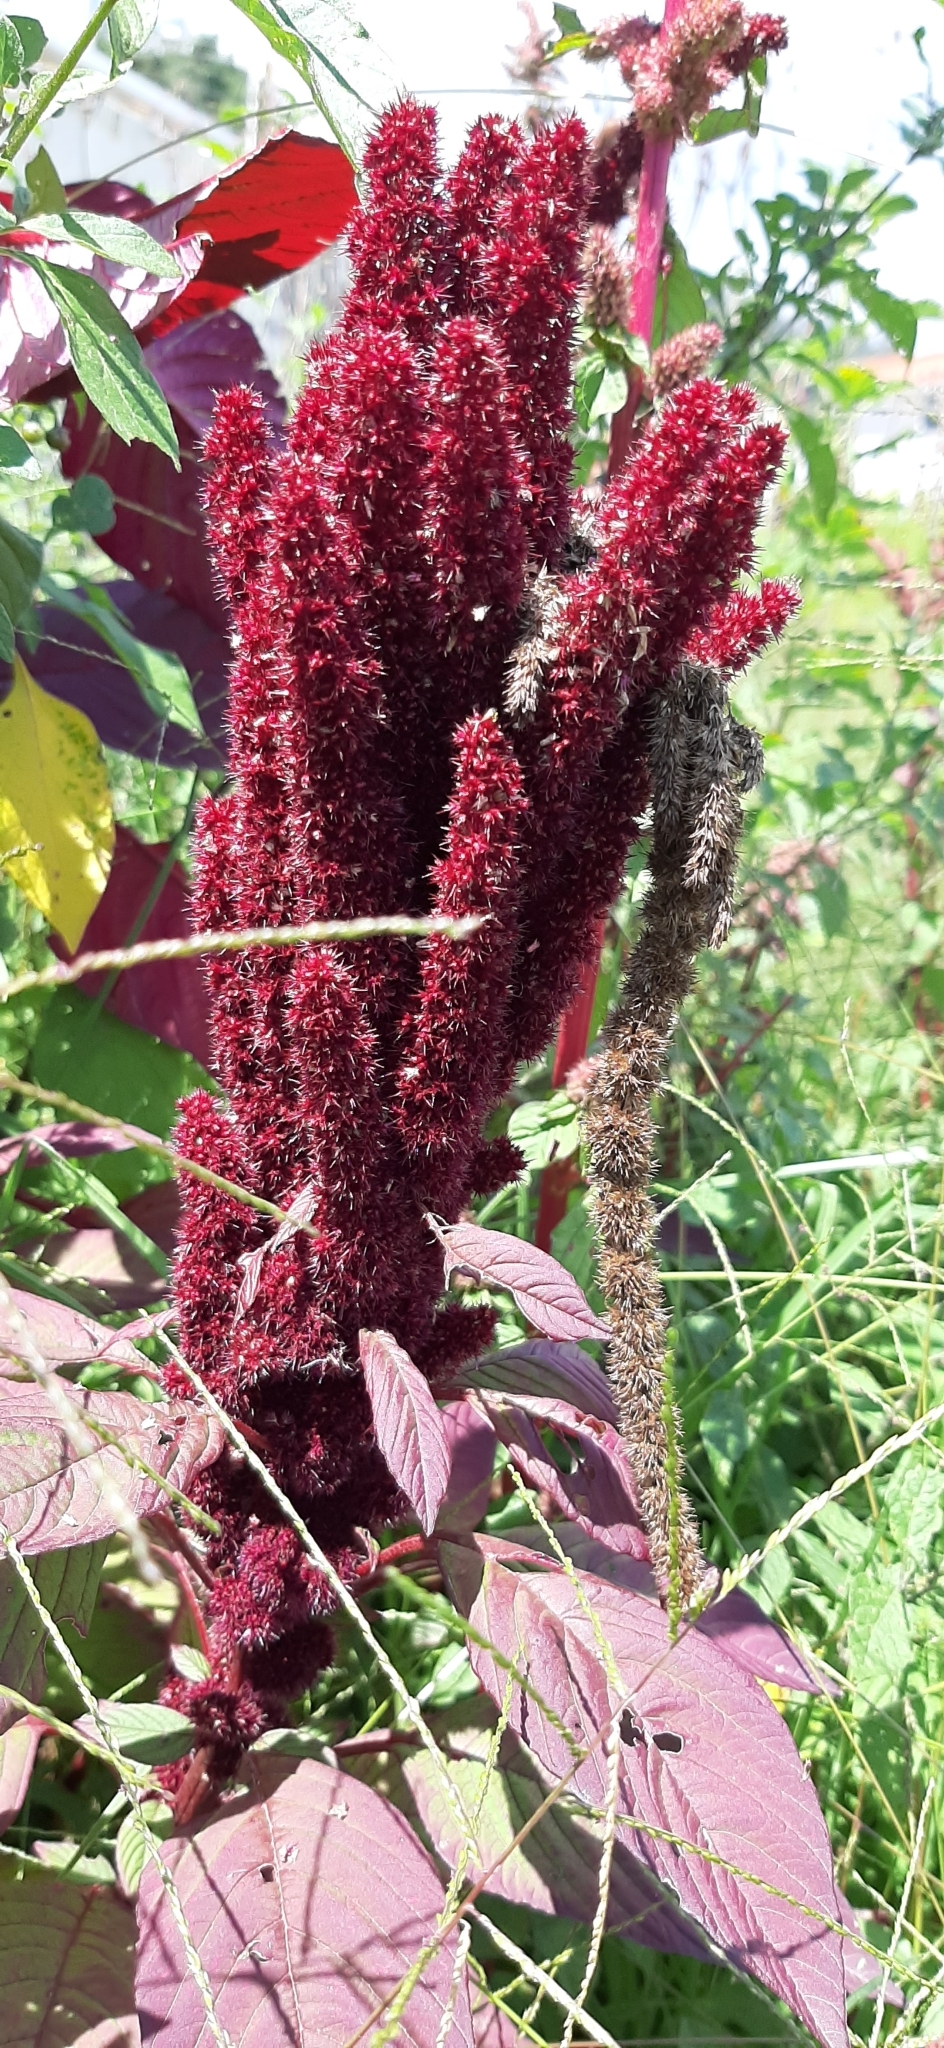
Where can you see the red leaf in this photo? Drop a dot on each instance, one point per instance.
(54, 1495)
(559, 1371)
(599, 1493)
(544, 1291)
(409, 1427)
(705, 1759)
(18, 1746)
(269, 214)
(165, 997)
(470, 1444)
(308, 1898)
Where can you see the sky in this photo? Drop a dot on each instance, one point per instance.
(833, 98)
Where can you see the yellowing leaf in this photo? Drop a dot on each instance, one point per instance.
(57, 832)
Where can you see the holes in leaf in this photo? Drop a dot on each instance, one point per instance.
(267, 1873)
(671, 1743)
(630, 1732)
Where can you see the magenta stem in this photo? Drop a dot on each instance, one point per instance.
(647, 258)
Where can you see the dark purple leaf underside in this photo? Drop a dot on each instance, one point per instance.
(599, 1492)
(308, 1899)
(72, 663)
(545, 1292)
(706, 1761)
(471, 1444)
(408, 1424)
(550, 1371)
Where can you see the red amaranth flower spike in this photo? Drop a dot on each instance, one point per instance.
(396, 240)
(383, 569)
(531, 284)
(473, 195)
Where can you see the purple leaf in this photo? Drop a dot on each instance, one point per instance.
(194, 362)
(73, 664)
(71, 1141)
(409, 1427)
(556, 1868)
(102, 1259)
(307, 1898)
(599, 1491)
(556, 1371)
(55, 1492)
(158, 535)
(17, 1756)
(705, 1759)
(743, 1631)
(61, 1335)
(736, 1624)
(544, 1291)
(66, 1963)
(470, 1445)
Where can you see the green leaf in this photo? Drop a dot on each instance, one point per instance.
(914, 1505)
(107, 359)
(7, 641)
(724, 1432)
(14, 451)
(88, 508)
(12, 53)
(545, 1130)
(148, 1734)
(32, 36)
(301, 31)
(832, 902)
(732, 119)
(67, 1581)
(21, 559)
(568, 43)
(44, 183)
(679, 299)
(820, 462)
(121, 241)
(129, 25)
(599, 390)
(897, 318)
(131, 1852)
(161, 677)
(97, 1058)
(932, 985)
(568, 20)
(878, 1635)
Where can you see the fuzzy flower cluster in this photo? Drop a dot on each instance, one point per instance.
(683, 357)
(383, 569)
(674, 75)
(606, 281)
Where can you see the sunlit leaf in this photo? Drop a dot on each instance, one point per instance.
(106, 357)
(66, 1954)
(308, 1898)
(56, 826)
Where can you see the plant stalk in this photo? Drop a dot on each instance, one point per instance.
(573, 1037)
(44, 98)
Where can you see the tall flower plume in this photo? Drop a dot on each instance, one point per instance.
(413, 546)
